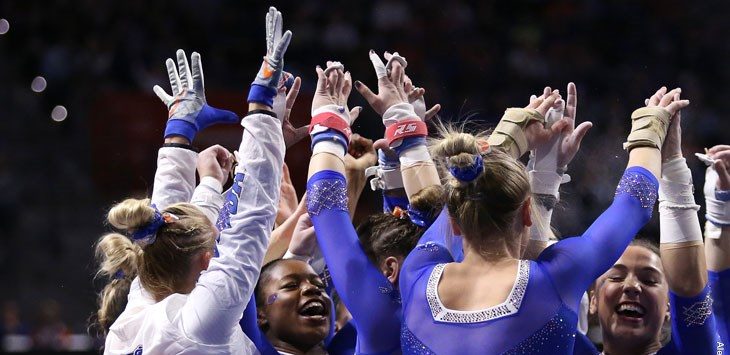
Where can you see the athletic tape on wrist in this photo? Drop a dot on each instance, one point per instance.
(415, 155)
(545, 183)
(676, 170)
(677, 195)
(540, 230)
(678, 225)
(712, 231)
(331, 147)
(718, 211)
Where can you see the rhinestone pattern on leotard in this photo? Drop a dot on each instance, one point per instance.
(326, 194)
(510, 306)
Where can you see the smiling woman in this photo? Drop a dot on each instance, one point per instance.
(293, 307)
(632, 298)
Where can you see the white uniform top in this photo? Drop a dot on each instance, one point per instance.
(206, 320)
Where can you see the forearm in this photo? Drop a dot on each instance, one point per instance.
(219, 299)
(684, 266)
(325, 161)
(281, 237)
(174, 177)
(358, 281)
(647, 158)
(683, 256)
(419, 175)
(208, 197)
(355, 184)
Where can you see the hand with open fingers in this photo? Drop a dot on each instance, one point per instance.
(416, 98)
(216, 162)
(522, 129)
(391, 101)
(304, 240)
(188, 110)
(571, 136)
(266, 84)
(537, 131)
(334, 85)
(331, 118)
(283, 103)
(721, 155)
(549, 162)
(649, 124)
(288, 200)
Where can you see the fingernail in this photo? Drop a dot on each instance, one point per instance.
(372, 51)
(357, 83)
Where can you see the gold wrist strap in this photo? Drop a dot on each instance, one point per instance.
(509, 135)
(648, 128)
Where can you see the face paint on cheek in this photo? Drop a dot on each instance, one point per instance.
(271, 299)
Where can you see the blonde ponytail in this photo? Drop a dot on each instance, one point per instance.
(118, 258)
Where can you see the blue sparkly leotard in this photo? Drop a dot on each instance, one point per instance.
(371, 299)
(540, 314)
(720, 285)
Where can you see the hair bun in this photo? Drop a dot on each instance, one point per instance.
(470, 172)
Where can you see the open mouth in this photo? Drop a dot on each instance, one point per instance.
(314, 309)
(631, 310)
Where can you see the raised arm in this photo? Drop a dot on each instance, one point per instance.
(607, 238)
(549, 163)
(717, 234)
(405, 130)
(366, 292)
(188, 113)
(682, 251)
(216, 304)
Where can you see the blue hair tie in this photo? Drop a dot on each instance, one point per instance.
(118, 275)
(468, 173)
(146, 235)
(420, 218)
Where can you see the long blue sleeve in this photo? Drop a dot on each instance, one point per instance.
(693, 325)
(250, 327)
(370, 297)
(720, 285)
(343, 343)
(574, 263)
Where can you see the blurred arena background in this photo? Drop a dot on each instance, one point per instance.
(80, 126)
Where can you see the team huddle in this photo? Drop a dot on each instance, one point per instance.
(462, 260)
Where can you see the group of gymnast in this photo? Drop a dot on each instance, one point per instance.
(462, 259)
